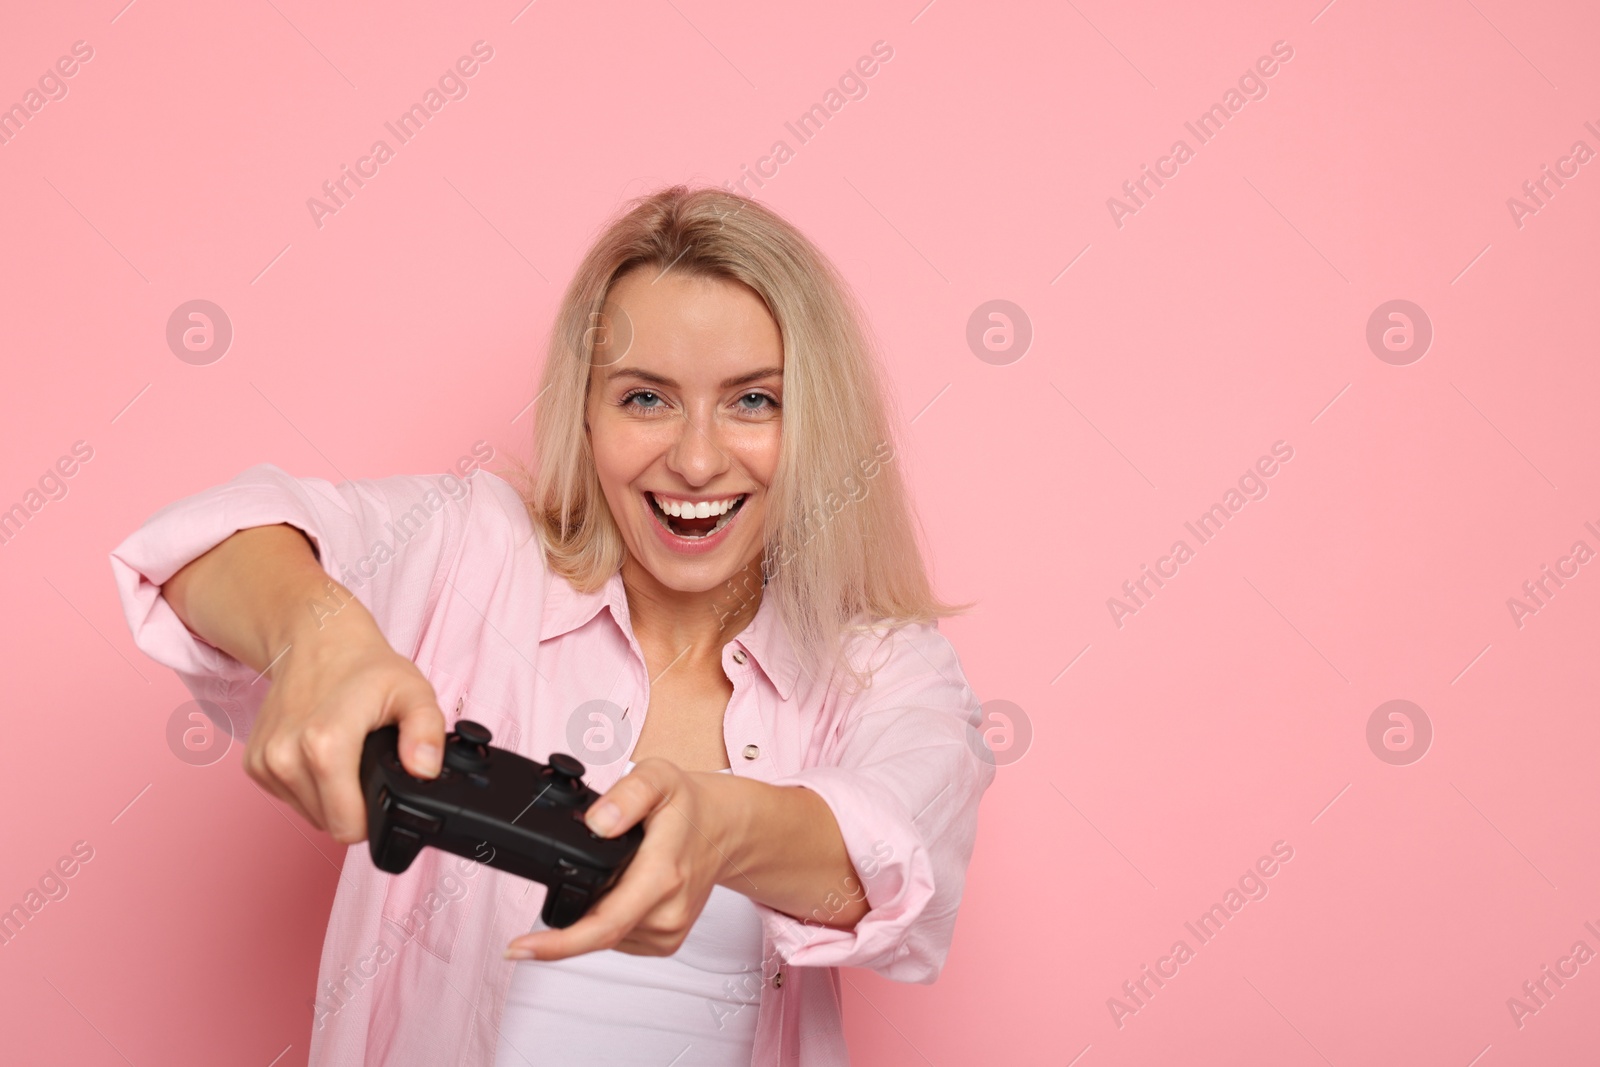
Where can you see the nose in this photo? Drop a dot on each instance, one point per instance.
(696, 455)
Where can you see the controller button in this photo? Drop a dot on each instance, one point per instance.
(479, 780)
(405, 815)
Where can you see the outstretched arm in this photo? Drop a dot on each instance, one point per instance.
(778, 845)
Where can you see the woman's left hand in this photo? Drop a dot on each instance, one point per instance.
(654, 904)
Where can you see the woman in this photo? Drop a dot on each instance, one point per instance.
(708, 588)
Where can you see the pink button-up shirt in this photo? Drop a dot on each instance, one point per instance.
(412, 971)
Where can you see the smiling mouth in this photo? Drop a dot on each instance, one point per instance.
(694, 529)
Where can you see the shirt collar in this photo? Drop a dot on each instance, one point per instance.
(766, 638)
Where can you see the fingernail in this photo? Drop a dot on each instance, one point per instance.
(603, 817)
(515, 953)
(426, 758)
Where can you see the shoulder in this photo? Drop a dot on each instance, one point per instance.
(868, 642)
(901, 656)
(500, 545)
(496, 510)
(499, 499)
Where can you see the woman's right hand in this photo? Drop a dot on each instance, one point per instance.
(262, 596)
(339, 681)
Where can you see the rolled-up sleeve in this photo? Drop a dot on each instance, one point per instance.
(388, 540)
(903, 776)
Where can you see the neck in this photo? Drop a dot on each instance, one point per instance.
(693, 625)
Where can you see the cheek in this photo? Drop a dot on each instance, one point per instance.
(609, 442)
(623, 452)
(610, 462)
(759, 453)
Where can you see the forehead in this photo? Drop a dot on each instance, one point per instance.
(689, 327)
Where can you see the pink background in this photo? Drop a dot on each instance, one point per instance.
(1228, 313)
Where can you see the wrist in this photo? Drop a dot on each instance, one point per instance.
(318, 616)
(731, 804)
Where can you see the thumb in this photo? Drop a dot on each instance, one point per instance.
(421, 735)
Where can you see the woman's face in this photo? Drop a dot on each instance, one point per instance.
(687, 418)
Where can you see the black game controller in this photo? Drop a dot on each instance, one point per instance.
(528, 816)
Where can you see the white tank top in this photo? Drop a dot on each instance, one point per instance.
(615, 1009)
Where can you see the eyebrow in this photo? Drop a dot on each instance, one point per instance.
(663, 380)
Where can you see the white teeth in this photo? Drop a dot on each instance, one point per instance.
(683, 509)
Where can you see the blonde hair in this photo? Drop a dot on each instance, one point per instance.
(836, 562)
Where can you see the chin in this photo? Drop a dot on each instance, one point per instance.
(691, 576)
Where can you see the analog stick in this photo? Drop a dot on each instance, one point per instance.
(467, 749)
(566, 772)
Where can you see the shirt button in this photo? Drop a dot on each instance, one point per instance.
(751, 752)
(739, 656)
(777, 980)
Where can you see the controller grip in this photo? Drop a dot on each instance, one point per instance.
(396, 850)
(565, 904)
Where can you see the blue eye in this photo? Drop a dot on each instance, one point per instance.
(770, 402)
(636, 394)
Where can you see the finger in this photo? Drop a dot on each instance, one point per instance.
(618, 912)
(421, 729)
(654, 945)
(663, 930)
(288, 777)
(631, 799)
(333, 754)
(333, 757)
(268, 786)
(650, 879)
(646, 940)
